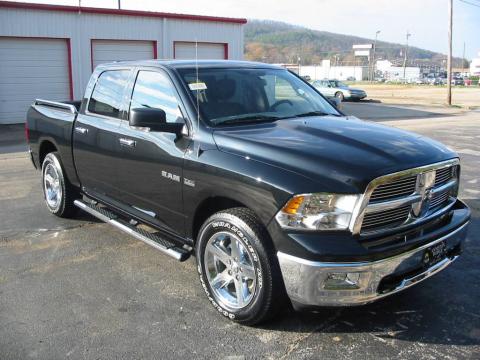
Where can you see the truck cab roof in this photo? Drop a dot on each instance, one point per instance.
(178, 64)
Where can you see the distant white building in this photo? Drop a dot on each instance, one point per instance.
(475, 65)
(326, 71)
(391, 72)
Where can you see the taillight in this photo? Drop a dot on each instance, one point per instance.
(27, 132)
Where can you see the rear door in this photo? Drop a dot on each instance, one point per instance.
(96, 148)
(150, 173)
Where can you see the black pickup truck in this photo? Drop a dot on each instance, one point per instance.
(281, 197)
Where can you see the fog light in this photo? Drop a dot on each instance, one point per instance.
(342, 281)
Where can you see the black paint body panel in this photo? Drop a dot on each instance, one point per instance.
(260, 166)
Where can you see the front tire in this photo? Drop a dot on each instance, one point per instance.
(339, 95)
(58, 193)
(238, 268)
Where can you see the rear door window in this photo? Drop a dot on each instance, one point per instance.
(107, 95)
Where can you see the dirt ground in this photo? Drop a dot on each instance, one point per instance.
(422, 94)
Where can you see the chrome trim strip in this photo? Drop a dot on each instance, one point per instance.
(56, 104)
(392, 204)
(305, 279)
(444, 187)
(361, 210)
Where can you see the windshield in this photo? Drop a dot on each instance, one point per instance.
(240, 96)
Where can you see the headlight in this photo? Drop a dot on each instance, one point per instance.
(319, 211)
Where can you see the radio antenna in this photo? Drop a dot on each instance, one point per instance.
(198, 90)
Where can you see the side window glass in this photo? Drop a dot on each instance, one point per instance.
(107, 95)
(155, 90)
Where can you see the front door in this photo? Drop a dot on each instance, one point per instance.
(150, 174)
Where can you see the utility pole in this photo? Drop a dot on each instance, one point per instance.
(405, 58)
(449, 60)
(119, 5)
(372, 71)
(463, 60)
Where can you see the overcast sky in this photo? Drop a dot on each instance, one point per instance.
(426, 20)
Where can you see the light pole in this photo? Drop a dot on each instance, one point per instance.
(372, 71)
(405, 58)
(449, 60)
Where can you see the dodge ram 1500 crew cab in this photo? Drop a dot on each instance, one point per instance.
(281, 197)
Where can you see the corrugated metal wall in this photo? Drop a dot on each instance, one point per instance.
(80, 28)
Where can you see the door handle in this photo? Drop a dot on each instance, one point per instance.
(127, 142)
(81, 130)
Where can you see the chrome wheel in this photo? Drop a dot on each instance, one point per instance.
(230, 270)
(52, 186)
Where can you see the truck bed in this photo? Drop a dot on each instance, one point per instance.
(50, 123)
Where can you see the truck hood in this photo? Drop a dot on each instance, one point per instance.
(342, 154)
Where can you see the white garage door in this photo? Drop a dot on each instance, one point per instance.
(30, 69)
(186, 50)
(104, 51)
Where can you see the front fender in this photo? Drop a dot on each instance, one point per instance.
(258, 186)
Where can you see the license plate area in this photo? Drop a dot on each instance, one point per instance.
(434, 254)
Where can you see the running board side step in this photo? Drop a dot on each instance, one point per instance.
(149, 238)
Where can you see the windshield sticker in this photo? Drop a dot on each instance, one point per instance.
(197, 86)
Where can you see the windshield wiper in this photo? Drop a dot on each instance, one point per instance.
(315, 113)
(249, 119)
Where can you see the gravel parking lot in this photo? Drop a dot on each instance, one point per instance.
(467, 97)
(80, 289)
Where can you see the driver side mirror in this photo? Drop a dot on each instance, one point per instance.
(154, 120)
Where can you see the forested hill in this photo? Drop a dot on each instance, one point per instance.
(277, 42)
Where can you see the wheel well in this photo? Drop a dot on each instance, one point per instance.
(209, 207)
(45, 148)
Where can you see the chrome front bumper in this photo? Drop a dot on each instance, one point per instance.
(306, 281)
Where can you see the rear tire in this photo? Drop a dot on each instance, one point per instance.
(340, 96)
(58, 193)
(238, 267)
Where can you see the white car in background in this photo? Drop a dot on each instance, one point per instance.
(336, 88)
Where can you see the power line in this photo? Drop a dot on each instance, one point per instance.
(469, 3)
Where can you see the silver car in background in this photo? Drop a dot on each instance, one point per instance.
(336, 88)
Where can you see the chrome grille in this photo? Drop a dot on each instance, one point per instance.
(397, 188)
(439, 199)
(443, 175)
(406, 197)
(385, 218)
